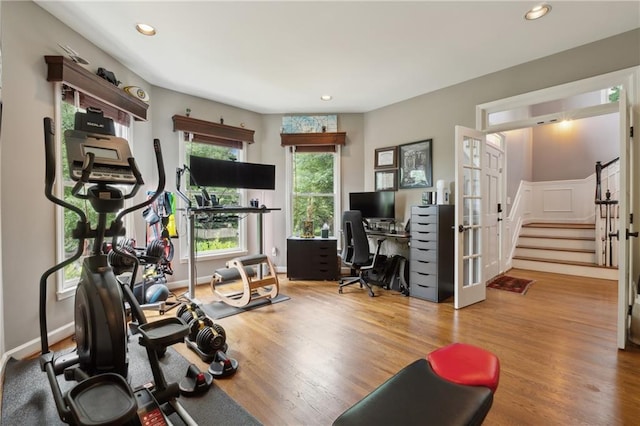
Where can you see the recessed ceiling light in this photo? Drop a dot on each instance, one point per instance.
(145, 29)
(326, 97)
(537, 12)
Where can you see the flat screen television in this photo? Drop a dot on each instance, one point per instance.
(231, 174)
(379, 205)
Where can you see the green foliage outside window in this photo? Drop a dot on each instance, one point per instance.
(72, 271)
(614, 94)
(313, 191)
(212, 234)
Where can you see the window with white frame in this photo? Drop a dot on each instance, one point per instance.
(73, 101)
(214, 235)
(313, 180)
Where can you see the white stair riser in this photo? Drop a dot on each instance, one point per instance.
(559, 268)
(568, 256)
(558, 232)
(557, 243)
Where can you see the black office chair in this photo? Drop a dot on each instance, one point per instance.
(355, 251)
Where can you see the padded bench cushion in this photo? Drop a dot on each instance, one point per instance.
(230, 274)
(418, 396)
(466, 364)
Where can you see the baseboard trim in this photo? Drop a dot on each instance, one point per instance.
(33, 346)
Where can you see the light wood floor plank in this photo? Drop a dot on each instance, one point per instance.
(306, 360)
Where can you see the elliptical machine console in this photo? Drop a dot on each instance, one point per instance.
(102, 394)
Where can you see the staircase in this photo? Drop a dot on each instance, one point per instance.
(561, 248)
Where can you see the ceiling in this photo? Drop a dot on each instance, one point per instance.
(280, 57)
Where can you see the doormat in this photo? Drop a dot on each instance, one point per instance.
(512, 284)
(217, 310)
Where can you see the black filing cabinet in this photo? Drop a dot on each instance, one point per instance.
(312, 258)
(432, 246)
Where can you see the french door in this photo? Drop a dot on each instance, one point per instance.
(469, 285)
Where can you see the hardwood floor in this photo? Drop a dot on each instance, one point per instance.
(306, 360)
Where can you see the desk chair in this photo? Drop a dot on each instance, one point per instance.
(355, 251)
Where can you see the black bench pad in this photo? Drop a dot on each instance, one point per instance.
(418, 396)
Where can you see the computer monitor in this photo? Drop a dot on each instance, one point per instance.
(231, 174)
(379, 205)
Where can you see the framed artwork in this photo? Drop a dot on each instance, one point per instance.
(415, 165)
(386, 158)
(386, 180)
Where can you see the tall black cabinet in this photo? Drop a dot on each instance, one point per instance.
(432, 250)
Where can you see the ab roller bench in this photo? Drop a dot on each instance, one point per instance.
(454, 385)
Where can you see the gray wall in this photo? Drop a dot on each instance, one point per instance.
(570, 150)
(519, 163)
(435, 115)
(28, 240)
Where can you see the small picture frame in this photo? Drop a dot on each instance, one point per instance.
(415, 165)
(386, 180)
(386, 158)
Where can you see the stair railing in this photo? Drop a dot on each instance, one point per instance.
(607, 212)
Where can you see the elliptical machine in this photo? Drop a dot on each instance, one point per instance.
(100, 363)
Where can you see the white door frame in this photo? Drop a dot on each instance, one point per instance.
(628, 79)
(493, 216)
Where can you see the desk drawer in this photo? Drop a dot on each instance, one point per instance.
(424, 210)
(424, 218)
(423, 267)
(426, 241)
(323, 258)
(423, 254)
(423, 287)
(424, 227)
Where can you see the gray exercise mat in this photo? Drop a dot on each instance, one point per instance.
(27, 397)
(217, 310)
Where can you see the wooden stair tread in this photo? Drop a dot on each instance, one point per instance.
(564, 262)
(555, 237)
(560, 225)
(557, 249)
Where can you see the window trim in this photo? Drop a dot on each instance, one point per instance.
(67, 288)
(337, 189)
(183, 221)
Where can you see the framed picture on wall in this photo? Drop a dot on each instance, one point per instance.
(386, 158)
(386, 180)
(415, 165)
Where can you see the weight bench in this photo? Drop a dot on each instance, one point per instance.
(453, 386)
(254, 288)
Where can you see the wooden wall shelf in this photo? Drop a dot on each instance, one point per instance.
(68, 72)
(211, 129)
(328, 138)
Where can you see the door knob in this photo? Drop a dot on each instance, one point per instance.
(462, 228)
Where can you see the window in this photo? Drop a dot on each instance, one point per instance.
(73, 101)
(214, 234)
(313, 182)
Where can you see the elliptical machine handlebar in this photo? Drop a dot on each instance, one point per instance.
(49, 180)
(118, 220)
(50, 170)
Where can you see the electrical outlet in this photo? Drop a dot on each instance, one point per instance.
(274, 251)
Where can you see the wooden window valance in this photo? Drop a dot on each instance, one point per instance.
(213, 133)
(212, 141)
(313, 139)
(62, 69)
